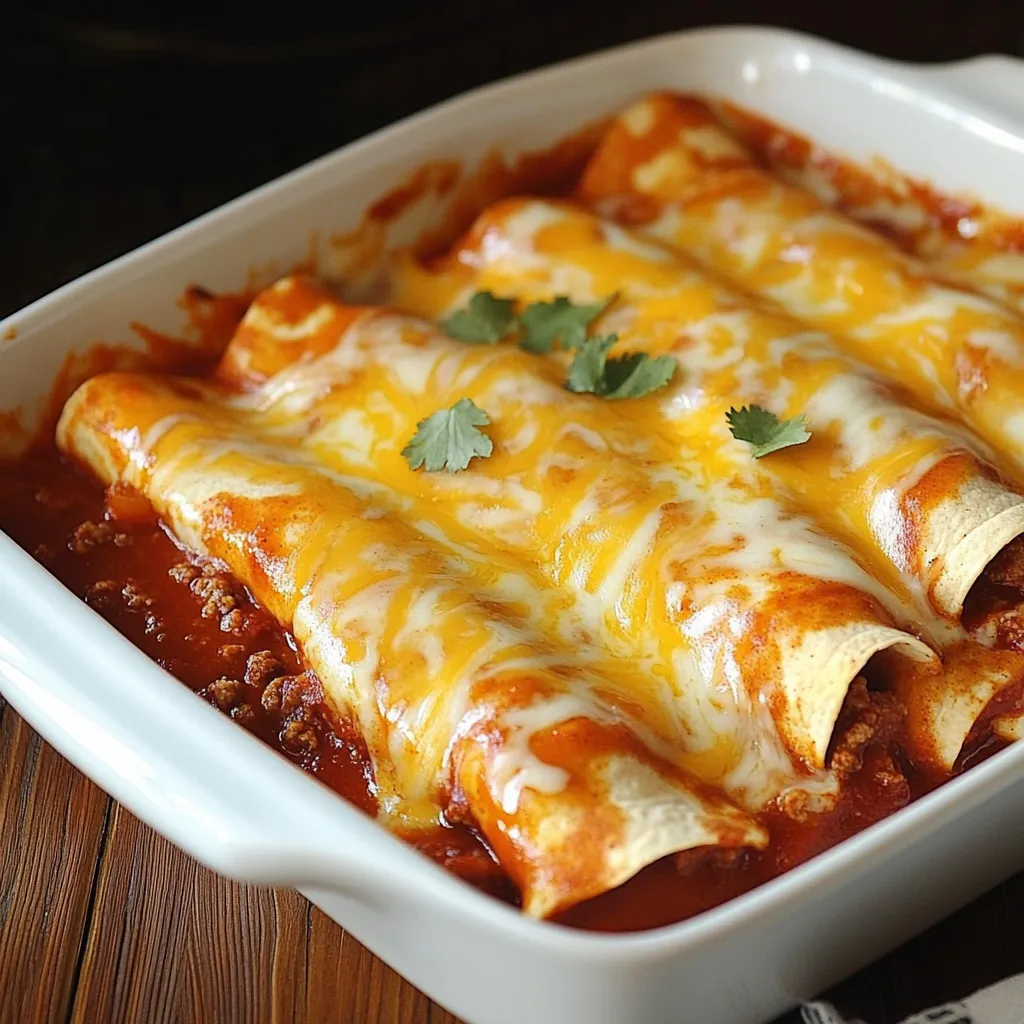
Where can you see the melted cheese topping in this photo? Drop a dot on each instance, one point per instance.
(954, 349)
(862, 472)
(914, 496)
(596, 504)
(452, 679)
(619, 635)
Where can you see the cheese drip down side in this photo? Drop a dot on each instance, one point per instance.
(695, 577)
(916, 496)
(669, 164)
(465, 707)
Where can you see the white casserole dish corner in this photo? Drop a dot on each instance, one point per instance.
(235, 805)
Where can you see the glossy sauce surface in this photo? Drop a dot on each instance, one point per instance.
(205, 629)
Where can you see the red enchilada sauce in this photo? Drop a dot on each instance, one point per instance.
(203, 627)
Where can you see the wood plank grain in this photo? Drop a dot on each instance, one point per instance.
(172, 941)
(52, 822)
(133, 959)
(247, 953)
(345, 982)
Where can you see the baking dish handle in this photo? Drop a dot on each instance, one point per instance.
(993, 80)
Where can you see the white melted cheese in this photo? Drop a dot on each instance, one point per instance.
(1006, 267)
(746, 238)
(638, 120)
(516, 767)
(724, 561)
(258, 318)
(938, 307)
(854, 404)
(711, 143)
(793, 294)
(1005, 344)
(870, 424)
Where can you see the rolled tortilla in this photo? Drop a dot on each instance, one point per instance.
(669, 163)
(994, 269)
(1009, 728)
(669, 560)
(944, 709)
(959, 239)
(912, 493)
(915, 494)
(464, 706)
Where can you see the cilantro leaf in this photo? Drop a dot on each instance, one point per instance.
(629, 376)
(638, 374)
(449, 438)
(558, 324)
(586, 373)
(764, 431)
(485, 321)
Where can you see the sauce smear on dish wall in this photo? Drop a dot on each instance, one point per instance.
(205, 629)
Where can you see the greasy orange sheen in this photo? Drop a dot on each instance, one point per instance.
(619, 670)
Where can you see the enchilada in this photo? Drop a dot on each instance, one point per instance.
(599, 565)
(959, 237)
(464, 708)
(669, 163)
(913, 495)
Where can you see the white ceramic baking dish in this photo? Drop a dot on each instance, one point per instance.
(236, 806)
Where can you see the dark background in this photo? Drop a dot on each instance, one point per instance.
(116, 126)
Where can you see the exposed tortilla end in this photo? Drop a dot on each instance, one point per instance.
(77, 433)
(660, 816)
(942, 707)
(817, 675)
(986, 517)
(294, 319)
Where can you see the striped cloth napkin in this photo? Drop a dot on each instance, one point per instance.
(1002, 1003)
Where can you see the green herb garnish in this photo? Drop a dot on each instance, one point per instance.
(628, 376)
(449, 439)
(485, 321)
(558, 324)
(764, 431)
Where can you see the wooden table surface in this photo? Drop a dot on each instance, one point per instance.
(117, 130)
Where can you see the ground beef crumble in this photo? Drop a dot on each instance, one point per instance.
(1008, 627)
(869, 721)
(299, 734)
(221, 596)
(225, 692)
(184, 572)
(688, 862)
(243, 714)
(233, 622)
(135, 598)
(103, 594)
(91, 534)
(294, 698)
(261, 668)
(1007, 568)
(867, 717)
